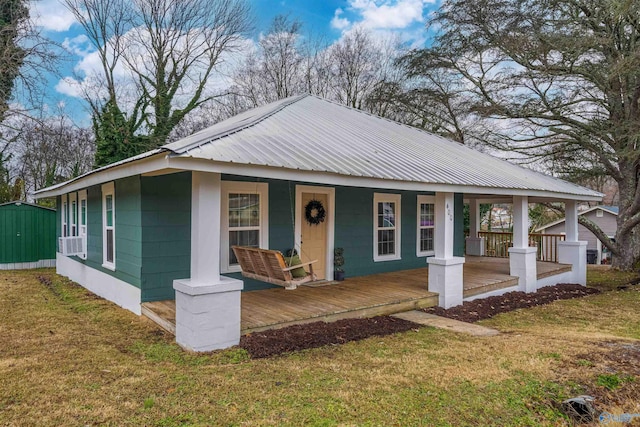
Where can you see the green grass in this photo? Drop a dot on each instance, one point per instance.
(605, 278)
(69, 358)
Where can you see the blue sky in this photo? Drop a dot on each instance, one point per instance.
(330, 18)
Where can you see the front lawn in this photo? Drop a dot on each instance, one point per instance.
(69, 358)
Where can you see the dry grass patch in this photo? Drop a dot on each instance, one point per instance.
(69, 358)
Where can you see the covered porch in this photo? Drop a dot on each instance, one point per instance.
(365, 296)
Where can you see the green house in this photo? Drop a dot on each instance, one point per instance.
(160, 226)
(27, 236)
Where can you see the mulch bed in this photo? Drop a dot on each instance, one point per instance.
(318, 334)
(472, 311)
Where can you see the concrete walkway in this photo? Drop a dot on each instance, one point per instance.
(422, 318)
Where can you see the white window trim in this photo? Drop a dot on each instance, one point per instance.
(82, 229)
(64, 217)
(423, 200)
(599, 213)
(380, 198)
(73, 228)
(230, 187)
(108, 189)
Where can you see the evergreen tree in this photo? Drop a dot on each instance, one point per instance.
(115, 139)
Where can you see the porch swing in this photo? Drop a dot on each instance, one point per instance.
(268, 265)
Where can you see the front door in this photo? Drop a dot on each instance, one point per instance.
(313, 237)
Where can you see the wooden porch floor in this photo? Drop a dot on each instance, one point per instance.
(364, 296)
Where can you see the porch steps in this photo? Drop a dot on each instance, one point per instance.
(422, 318)
(353, 313)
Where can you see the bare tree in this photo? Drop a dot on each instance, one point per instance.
(354, 66)
(281, 58)
(556, 80)
(158, 58)
(316, 67)
(274, 68)
(51, 149)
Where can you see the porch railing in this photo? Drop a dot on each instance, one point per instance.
(497, 244)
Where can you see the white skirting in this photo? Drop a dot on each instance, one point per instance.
(43, 263)
(108, 287)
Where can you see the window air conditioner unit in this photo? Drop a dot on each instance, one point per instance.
(73, 245)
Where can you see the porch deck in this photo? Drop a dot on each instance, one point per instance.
(364, 296)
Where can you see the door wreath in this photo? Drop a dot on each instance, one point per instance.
(314, 212)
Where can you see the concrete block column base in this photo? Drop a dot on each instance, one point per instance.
(475, 246)
(522, 263)
(208, 314)
(445, 278)
(574, 253)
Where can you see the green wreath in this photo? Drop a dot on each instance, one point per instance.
(314, 212)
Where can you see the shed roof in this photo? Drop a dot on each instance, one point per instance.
(613, 210)
(23, 203)
(310, 134)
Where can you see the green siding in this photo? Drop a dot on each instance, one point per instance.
(128, 236)
(153, 230)
(166, 234)
(353, 227)
(128, 230)
(27, 233)
(354, 231)
(94, 227)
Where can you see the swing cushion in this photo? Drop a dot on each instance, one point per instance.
(295, 260)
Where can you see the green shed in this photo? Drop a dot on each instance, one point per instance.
(27, 236)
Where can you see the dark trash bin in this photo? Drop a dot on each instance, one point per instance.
(592, 256)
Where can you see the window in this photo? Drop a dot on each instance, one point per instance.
(82, 197)
(108, 226)
(65, 216)
(599, 213)
(73, 214)
(386, 224)
(244, 220)
(426, 225)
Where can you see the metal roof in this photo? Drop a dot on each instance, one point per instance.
(310, 134)
(21, 202)
(313, 134)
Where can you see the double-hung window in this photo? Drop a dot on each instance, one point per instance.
(244, 220)
(426, 225)
(65, 216)
(386, 224)
(73, 214)
(108, 226)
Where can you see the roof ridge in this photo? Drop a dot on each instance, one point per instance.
(448, 140)
(241, 126)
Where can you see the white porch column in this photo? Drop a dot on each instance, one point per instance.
(522, 258)
(475, 245)
(572, 251)
(207, 304)
(445, 270)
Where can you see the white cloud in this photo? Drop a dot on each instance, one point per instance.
(51, 15)
(70, 87)
(78, 45)
(386, 14)
(338, 22)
